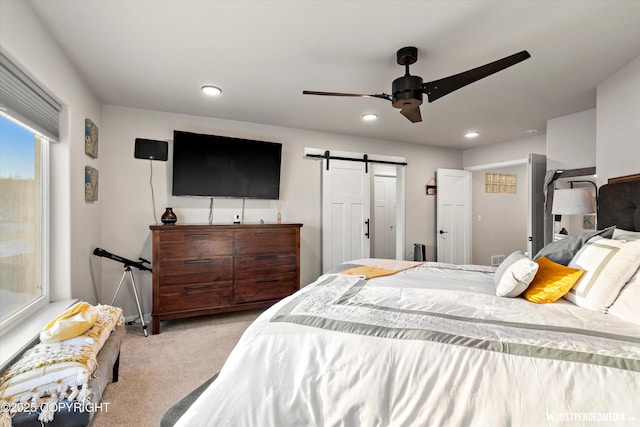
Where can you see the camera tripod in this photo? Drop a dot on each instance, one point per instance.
(127, 269)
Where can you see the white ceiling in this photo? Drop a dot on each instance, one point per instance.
(263, 54)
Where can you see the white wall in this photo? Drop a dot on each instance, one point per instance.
(497, 233)
(126, 197)
(618, 119)
(571, 144)
(75, 225)
(499, 220)
(605, 137)
(571, 141)
(504, 151)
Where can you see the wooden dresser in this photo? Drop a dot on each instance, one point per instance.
(208, 269)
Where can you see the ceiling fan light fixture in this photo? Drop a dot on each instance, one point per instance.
(408, 90)
(472, 134)
(211, 90)
(369, 117)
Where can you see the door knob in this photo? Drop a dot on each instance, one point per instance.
(443, 232)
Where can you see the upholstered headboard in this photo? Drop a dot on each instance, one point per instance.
(619, 205)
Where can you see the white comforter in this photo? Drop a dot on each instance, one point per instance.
(429, 346)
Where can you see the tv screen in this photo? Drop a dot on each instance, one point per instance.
(219, 166)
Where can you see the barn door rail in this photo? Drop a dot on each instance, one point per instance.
(365, 158)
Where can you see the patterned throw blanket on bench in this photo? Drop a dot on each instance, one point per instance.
(55, 371)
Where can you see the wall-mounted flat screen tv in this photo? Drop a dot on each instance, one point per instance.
(220, 166)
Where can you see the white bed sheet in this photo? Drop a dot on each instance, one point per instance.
(428, 346)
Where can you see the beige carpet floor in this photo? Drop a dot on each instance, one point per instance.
(159, 370)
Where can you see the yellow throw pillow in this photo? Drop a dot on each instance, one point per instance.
(552, 281)
(73, 322)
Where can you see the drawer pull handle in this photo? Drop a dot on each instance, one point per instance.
(266, 233)
(198, 261)
(198, 236)
(267, 281)
(195, 287)
(267, 257)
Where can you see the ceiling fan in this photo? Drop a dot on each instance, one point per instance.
(407, 90)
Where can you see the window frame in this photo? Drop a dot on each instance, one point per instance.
(31, 308)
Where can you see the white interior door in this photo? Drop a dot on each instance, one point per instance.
(345, 212)
(384, 218)
(536, 169)
(453, 216)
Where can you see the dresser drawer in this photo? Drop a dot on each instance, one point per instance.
(196, 270)
(248, 266)
(195, 296)
(256, 289)
(195, 244)
(266, 241)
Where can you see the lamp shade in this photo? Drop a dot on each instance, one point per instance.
(573, 201)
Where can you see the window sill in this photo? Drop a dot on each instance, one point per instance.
(24, 335)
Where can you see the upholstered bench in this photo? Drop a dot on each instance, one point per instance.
(62, 383)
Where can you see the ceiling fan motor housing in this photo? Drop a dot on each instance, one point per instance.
(407, 91)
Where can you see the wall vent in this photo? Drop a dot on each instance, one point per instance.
(496, 259)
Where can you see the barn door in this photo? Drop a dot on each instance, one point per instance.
(345, 213)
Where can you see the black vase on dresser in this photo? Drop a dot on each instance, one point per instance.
(169, 217)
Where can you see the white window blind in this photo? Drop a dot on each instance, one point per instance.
(25, 100)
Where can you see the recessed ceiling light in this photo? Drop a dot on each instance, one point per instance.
(369, 117)
(211, 90)
(471, 134)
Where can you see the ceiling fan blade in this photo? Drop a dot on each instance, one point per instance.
(377, 95)
(439, 88)
(413, 114)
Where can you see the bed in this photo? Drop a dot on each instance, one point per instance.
(394, 343)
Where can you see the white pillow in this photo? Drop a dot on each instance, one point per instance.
(620, 234)
(514, 274)
(608, 265)
(627, 305)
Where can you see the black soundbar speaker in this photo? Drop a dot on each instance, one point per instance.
(151, 149)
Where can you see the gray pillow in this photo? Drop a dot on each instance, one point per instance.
(563, 251)
(514, 274)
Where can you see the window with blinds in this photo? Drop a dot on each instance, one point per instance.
(28, 123)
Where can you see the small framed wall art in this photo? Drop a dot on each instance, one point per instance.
(431, 188)
(90, 138)
(589, 222)
(90, 184)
